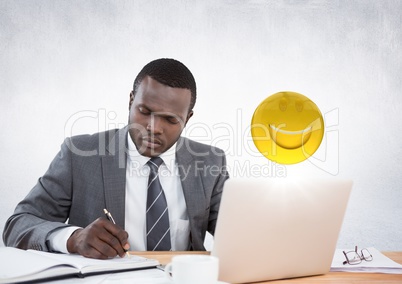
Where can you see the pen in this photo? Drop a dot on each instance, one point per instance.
(110, 218)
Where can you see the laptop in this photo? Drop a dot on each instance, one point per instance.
(277, 228)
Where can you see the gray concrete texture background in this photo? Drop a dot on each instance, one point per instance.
(67, 67)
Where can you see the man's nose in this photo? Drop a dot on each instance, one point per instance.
(155, 124)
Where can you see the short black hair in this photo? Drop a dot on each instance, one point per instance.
(169, 72)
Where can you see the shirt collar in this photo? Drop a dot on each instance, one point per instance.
(168, 157)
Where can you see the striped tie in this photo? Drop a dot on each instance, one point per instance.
(158, 231)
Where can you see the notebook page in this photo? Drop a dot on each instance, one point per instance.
(21, 265)
(90, 265)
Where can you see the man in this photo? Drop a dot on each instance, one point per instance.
(112, 170)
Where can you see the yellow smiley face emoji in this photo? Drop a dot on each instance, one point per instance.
(287, 127)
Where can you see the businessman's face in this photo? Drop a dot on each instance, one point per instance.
(158, 115)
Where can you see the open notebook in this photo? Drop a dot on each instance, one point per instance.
(27, 265)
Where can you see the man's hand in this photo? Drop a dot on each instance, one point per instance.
(100, 239)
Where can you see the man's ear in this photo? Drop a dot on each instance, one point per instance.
(189, 115)
(131, 100)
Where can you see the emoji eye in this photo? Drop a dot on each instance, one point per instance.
(283, 104)
(299, 105)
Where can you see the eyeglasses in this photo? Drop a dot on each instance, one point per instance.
(354, 257)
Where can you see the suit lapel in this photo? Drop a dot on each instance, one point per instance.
(114, 176)
(191, 179)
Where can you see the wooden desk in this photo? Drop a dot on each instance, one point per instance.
(331, 277)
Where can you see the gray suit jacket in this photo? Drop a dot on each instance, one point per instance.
(89, 174)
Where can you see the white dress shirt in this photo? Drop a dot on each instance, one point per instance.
(137, 173)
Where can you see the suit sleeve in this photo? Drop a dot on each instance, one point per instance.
(46, 207)
(217, 194)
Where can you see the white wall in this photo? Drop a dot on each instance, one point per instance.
(63, 60)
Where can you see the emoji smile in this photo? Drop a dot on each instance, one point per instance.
(290, 139)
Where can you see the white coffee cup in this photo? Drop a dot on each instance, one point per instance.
(194, 269)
